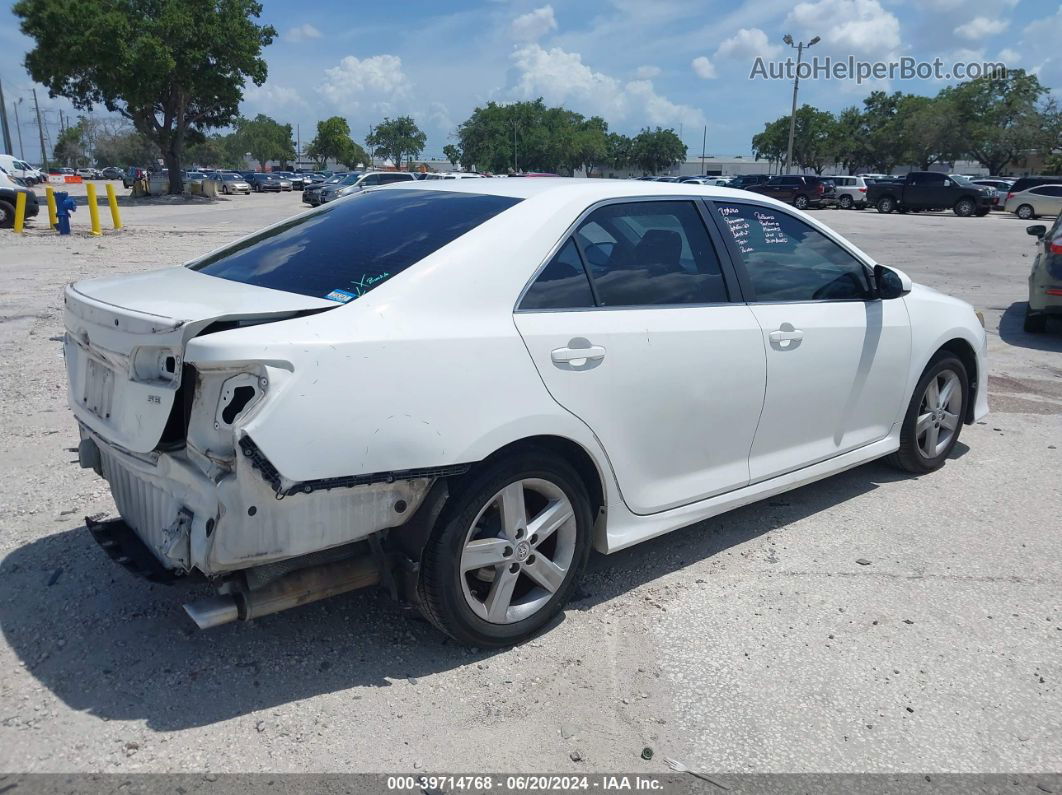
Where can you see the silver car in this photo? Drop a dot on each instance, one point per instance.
(851, 191)
(234, 183)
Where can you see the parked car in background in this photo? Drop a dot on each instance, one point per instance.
(196, 178)
(1000, 188)
(87, 173)
(312, 193)
(1035, 201)
(1045, 279)
(262, 182)
(851, 191)
(370, 179)
(1024, 183)
(21, 169)
(233, 183)
(930, 190)
(111, 172)
(800, 190)
(9, 191)
(745, 181)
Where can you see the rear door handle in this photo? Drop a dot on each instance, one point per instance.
(563, 355)
(785, 336)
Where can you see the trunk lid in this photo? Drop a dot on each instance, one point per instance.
(125, 341)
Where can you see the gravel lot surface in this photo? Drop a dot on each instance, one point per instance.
(751, 642)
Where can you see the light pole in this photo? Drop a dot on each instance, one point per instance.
(18, 126)
(799, 47)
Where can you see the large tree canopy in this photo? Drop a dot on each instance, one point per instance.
(396, 139)
(333, 142)
(265, 138)
(173, 67)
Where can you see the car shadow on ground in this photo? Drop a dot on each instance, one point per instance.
(1012, 330)
(114, 646)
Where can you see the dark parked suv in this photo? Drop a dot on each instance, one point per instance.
(748, 180)
(799, 190)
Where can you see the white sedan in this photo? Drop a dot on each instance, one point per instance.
(456, 389)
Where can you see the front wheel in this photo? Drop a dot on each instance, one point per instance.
(1025, 212)
(964, 208)
(934, 416)
(7, 215)
(886, 204)
(506, 551)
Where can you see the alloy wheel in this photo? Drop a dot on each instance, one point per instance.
(801, 202)
(518, 551)
(938, 414)
(1025, 212)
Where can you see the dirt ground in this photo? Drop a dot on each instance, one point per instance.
(751, 642)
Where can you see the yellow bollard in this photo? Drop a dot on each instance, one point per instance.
(20, 212)
(53, 218)
(112, 200)
(94, 211)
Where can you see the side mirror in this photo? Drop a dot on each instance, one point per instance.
(1036, 230)
(891, 283)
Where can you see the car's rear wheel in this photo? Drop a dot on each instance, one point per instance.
(7, 215)
(1035, 322)
(800, 201)
(934, 416)
(964, 208)
(1025, 212)
(507, 550)
(845, 201)
(886, 204)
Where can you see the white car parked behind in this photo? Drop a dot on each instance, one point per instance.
(457, 388)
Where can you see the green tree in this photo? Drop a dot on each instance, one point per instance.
(1001, 117)
(126, 148)
(395, 139)
(657, 150)
(266, 139)
(929, 130)
(846, 139)
(453, 154)
(618, 149)
(333, 142)
(173, 67)
(590, 144)
(881, 134)
(771, 144)
(70, 148)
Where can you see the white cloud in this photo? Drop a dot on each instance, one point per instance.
(272, 98)
(303, 32)
(1008, 56)
(376, 80)
(534, 24)
(561, 78)
(703, 68)
(980, 27)
(856, 27)
(647, 72)
(747, 43)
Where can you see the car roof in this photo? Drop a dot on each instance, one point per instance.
(591, 190)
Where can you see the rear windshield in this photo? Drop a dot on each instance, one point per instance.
(351, 246)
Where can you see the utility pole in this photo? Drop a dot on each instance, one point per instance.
(516, 167)
(796, 83)
(298, 146)
(3, 123)
(18, 126)
(704, 143)
(40, 131)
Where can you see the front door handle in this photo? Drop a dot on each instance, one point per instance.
(783, 336)
(564, 355)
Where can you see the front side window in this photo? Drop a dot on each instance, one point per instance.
(788, 260)
(347, 248)
(651, 253)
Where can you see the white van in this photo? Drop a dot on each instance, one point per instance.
(20, 168)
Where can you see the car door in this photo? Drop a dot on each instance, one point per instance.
(632, 328)
(837, 357)
(1048, 199)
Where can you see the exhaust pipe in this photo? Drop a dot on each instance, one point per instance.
(295, 588)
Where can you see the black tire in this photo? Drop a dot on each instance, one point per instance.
(845, 202)
(1035, 322)
(7, 214)
(886, 204)
(983, 211)
(800, 201)
(910, 457)
(1025, 212)
(964, 207)
(441, 590)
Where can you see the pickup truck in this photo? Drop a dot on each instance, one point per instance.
(930, 190)
(9, 190)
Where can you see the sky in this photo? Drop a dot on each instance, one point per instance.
(674, 63)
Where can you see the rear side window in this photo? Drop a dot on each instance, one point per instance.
(562, 284)
(351, 246)
(651, 253)
(788, 260)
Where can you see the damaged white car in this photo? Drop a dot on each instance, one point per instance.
(455, 390)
